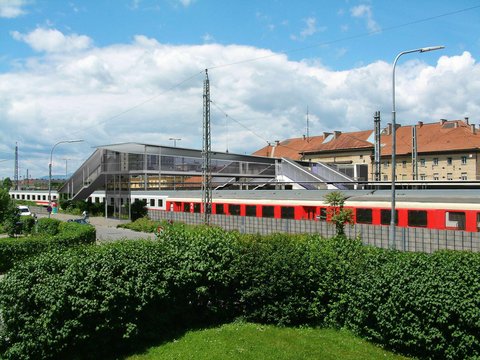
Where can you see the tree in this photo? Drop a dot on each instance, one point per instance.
(338, 214)
(7, 183)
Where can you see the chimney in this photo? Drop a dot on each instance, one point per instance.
(304, 137)
(277, 142)
(389, 129)
(455, 124)
(420, 124)
(336, 134)
(472, 128)
(466, 120)
(443, 121)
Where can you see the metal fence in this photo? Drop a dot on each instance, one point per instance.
(407, 239)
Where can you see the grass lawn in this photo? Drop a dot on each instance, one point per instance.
(252, 341)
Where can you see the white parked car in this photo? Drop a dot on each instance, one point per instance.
(24, 210)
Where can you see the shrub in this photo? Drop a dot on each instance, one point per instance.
(91, 300)
(27, 224)
(425, 305)
(13, 250)
(48, 226)
(138, 209)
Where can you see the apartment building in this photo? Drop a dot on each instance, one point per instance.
(446, 150)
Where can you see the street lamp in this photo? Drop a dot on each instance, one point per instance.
(174, 141)
(50, 169)
(394, 133)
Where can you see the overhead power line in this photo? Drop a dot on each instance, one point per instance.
(346, 38)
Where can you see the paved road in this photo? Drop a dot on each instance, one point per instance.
(106, 228)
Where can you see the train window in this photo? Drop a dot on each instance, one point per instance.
(97, 200)
(160, 202)
(417, 218)
(219, 209)
(186, 207)
(251, 210)
(455, 219)
(323, 214)
(364, 216)
(234, 209)
(478, 221)
(23, 196)
(288, 212)
(196, 207)
(267, 211)
(386, 216)
(152, 202)
(44, 197)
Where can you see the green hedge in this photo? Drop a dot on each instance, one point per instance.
(103, 300)
(13, 250)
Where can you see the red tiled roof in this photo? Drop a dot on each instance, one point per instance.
(454, 135)
(295, 148)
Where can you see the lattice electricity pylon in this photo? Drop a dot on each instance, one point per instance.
(206, 150)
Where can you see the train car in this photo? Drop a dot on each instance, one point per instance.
(434, 209)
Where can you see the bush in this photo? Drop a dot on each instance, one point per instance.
(27, 224)
(138, 209)
(48, 226)
(420, 304)
(13, 250)
(92, 300)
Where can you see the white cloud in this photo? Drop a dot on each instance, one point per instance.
(186, 3)
(147, 91)
(310, 29)
(53, 41)
(365, 12)
(12, 8)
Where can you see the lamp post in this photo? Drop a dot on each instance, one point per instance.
(174, 141)
(394, 141)
(50, 169)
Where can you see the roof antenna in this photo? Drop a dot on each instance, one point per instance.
(308, 127)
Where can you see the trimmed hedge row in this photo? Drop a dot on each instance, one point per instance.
(101, 301)
(51, 233)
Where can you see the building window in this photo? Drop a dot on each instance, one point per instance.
(449, 176)
(435, 161)
(423, 177)
(385, 177)
(436, 177)
(422, 162)
(385, 164)
(463, 176)
(464, 160)
(449, 161)
(404, 164)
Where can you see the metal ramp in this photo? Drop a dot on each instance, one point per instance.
(332, 176)
(321, 176)
(88, 178)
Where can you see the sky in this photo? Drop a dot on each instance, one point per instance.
(113, 71)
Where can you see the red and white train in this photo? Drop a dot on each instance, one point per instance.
(457, 209)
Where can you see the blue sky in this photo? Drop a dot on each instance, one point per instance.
(114, 71)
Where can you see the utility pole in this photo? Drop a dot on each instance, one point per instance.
(206, 160)
(376, 120)
(15, 173)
